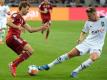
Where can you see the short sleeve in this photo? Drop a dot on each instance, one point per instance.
(17, 19)
(86, 28)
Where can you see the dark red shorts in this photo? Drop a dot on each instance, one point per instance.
(16, 43)
(45, 19)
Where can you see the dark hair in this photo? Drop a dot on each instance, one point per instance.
(23, 4)
(90, 10)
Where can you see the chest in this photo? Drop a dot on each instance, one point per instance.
(96, 27)
(48, 6)
(19, 21)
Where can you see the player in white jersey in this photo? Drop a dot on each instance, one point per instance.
(96, 28)
(4, 11)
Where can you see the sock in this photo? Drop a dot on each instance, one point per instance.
(3, 34)
(0, 35)
(47, 33)
(59, 60)
(84, 65)
(21, 58)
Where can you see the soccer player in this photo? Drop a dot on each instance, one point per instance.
(4, 12)
(96, 28)
(45, 9)
(13, 40)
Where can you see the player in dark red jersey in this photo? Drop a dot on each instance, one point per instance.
(45, 9)
(13, 40)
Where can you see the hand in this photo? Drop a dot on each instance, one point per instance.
(79, 41)
(45, 11)
(45, 26)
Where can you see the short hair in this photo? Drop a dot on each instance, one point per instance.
(90, 10)
(23, 4)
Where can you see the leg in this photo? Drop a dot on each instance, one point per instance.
(47, 33)
(3, 27)
(42, 31)
(43, 22)
(0, 32)
(25, 54)
(48, 30)
(74, 52)
(2, 35)
(93, 57)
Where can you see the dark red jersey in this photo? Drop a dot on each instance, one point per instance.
(17, 20)
(13, 39)
(43, 6)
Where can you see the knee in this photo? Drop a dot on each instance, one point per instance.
(94, 58)
(28, 48)
(74, 52)
(31, 51)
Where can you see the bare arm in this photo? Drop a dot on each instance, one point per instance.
(32, 29)
(50, 11)
(45, 11)
(82, 37)
(41, 11)
(10, 24)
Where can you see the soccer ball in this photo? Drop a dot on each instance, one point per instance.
(33, 70)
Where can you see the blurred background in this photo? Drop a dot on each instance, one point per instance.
(62, 3)
(64, 10)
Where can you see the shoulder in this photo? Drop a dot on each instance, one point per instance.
(49, 3)
(87, 22)
(103, 18)
(5, 6)
(41, 4)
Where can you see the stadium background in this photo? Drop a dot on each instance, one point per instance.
(67, 22)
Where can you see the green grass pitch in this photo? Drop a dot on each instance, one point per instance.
(62, 39)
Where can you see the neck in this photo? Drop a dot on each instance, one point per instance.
(46, 2)
(20, 13)
(96, 19)
(2, 3)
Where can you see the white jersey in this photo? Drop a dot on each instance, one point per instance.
(3, 14)
(97, 32)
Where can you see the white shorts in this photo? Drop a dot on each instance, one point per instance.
(86, 48)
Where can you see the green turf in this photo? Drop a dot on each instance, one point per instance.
(62, 39)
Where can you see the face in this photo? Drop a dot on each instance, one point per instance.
(25, 10)
(1, 2)
(92, 16)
